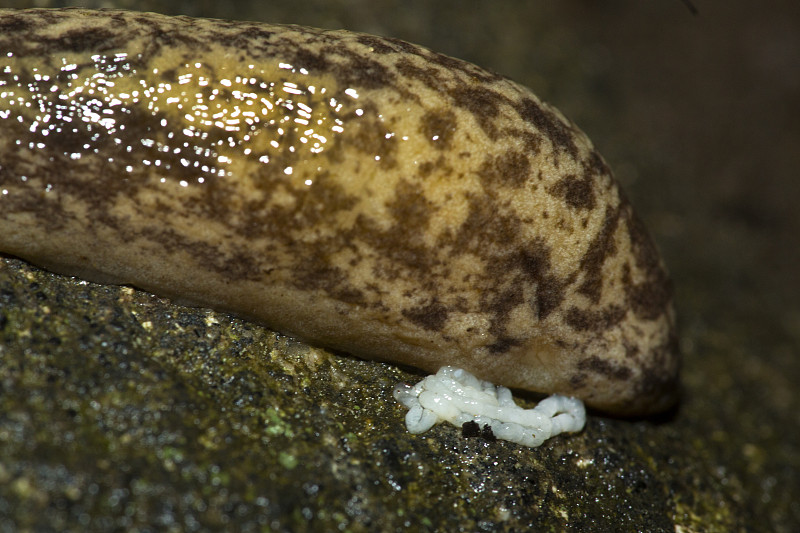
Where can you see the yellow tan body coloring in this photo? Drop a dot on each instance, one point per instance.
(361, 193)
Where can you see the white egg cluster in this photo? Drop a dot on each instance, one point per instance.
(457, 396)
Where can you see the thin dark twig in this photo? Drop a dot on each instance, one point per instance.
(691, 6)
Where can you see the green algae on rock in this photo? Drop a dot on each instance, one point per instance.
(361, 193)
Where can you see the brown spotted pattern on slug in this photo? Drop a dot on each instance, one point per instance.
(362, 193)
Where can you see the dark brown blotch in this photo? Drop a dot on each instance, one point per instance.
(236, 265)
(602, 320)
(484, 104)
(313, 206)
(426, 168)
(431, 316)
(409, 206)
(650, 298)
(659, 379)
(250, 38)
(429, 76)
(304, 58)
(376, 44)
(490, 234)
(404, 46)
(502, 345)
(400, 251)
(83, 40)
(468, 70)
(438, 127)
(370, 136)
(534, 262)
(358, 70)
(576, 192)
(486, 228)
(605, 368)
(531, 141)
(559, 133)
(500, 305)
(577, 380)
(509, 168)
(601, 247)
(11, 24)
(595, 166)
(644, 250)
(527, 268)
(316, 272)
(172, 39)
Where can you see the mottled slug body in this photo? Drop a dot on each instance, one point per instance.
(361, 193)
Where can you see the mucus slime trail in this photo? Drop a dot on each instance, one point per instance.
(361, 193)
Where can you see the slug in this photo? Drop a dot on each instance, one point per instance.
(360, 193)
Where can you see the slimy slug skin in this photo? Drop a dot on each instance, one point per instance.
(361, 193)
